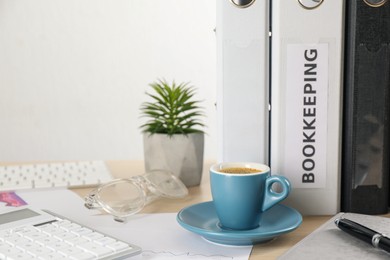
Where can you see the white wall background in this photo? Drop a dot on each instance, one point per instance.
(73, 73)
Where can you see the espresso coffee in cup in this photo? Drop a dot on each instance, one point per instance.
(243, 191)
(239, 170)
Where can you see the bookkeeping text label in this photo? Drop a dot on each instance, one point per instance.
(306, 115)
(309, 113)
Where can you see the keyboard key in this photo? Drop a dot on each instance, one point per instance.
(67, 174)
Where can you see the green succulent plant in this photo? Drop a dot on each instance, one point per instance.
(172, 110)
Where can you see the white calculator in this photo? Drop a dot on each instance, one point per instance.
(27, 233)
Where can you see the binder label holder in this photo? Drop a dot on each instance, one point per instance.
(306, 115)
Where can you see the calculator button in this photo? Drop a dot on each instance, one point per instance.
(65, 235)
(10, 236)
(9, 250)
(96, 249)
(48, 240)
(39, 250)
(36, 235)
(59, 245)
(52, 256)
(70, 251)
(4, 233)
(77, 240)
(93, 236)
(17, 240)
(118, 246)
(82, 231)
(83, 256)
(50, 229)
(68, 225)
(104, 241)
(63, 222)
(25, 230)
(20, 256)
(4, 246)
(28, 245)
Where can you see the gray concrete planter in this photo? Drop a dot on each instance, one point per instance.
(180, 154)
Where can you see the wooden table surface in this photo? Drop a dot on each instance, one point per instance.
(269, 250)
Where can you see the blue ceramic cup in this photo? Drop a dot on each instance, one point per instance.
(241, 198)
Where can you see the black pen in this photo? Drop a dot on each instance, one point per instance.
(370, 236)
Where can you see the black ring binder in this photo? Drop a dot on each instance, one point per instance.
(365, 156)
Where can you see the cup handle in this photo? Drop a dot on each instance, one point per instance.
(272, 197)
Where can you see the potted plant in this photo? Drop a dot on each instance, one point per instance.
(172, 135)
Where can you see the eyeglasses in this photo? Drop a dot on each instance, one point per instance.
(125, 197)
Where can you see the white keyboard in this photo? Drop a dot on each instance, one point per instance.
(67, 174)
(28, 233)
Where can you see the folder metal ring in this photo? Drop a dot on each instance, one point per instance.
(242, 3)
(310, 4)
(375, 3)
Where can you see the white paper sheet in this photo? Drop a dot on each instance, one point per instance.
(159, 235)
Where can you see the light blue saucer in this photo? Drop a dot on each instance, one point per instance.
(202, 219)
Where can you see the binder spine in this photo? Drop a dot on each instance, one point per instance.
(306, 79)
(365, 157)
(242, 80)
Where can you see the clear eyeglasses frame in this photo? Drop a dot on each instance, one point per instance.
(122, 198)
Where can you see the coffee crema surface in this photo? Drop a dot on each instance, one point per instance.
(239, 170)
